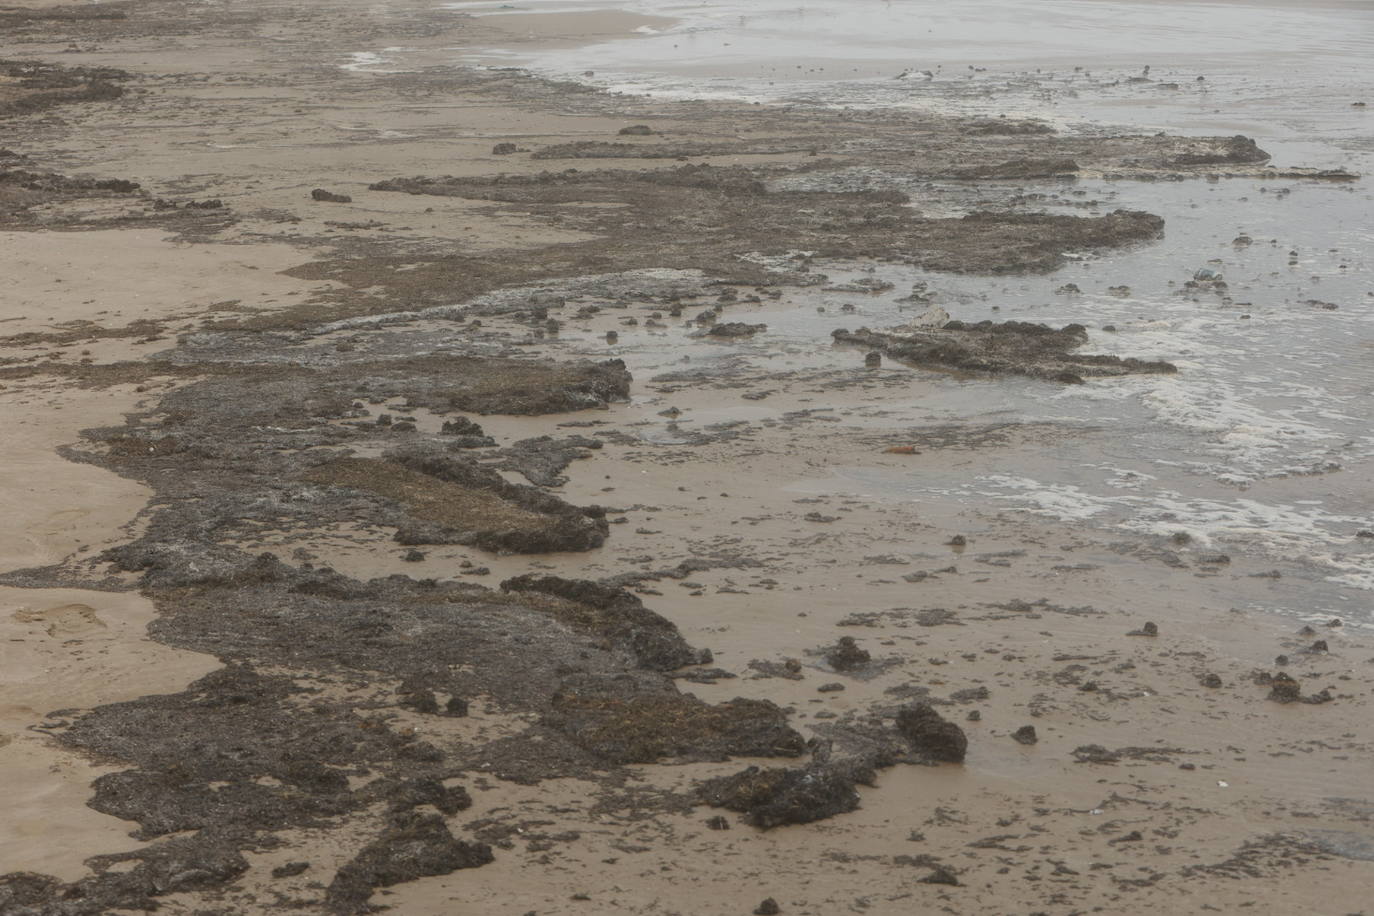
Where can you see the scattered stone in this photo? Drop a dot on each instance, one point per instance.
(770, 798)
(290, 869)
(1284, 689)
(504, 149)
(941, 875)
(1149, 628)
(873, 359)
(789, 668)
(330, 197)
(735, 329)
(846, 656)
(1211, 680)
(769, 907)
(413, 556)
(930, 735)
(636, 130)
(1001, 348)
(1025, 735)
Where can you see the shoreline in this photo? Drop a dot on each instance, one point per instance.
(244, 389)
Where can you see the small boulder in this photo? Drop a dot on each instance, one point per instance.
(930, 735)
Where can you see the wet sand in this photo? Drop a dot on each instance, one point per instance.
(1146, 787)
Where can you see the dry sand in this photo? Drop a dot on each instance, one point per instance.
(1222, 800)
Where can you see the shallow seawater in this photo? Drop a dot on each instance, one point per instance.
(1267, 68)
(1264, 442)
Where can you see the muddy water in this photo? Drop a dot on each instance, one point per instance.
(1264, 442)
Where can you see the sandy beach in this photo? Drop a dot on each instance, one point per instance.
(454, 489)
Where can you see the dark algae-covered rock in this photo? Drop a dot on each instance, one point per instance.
(612, 613)
(931, 736)
(415, 846)
(646, 727)
(1000, 348)
(784, 795)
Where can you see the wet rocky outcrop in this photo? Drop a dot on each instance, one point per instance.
(777, 796)
(612, 613)
(659, 214)
(932, 738)
(1001, 348)
(414, 846)
(621, 722)
(34, 86)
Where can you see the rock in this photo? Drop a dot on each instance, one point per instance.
(718, 822)
(873, 359)
(1211, 680)
(1284, 689)
(931, 736)
(783, 795)
(415, 846)
(1025, 735)
(957, 541)
(769, 907)
(941, 875)
(736, 329)
(636, 130)
(1148, 629)
(974, 716)
(846, 656)
(460, 426)
(1317, 647)
(1068, 289)
(413, 556)
(504, 149)
(419, 699)
(330, 197)
(290, 869)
